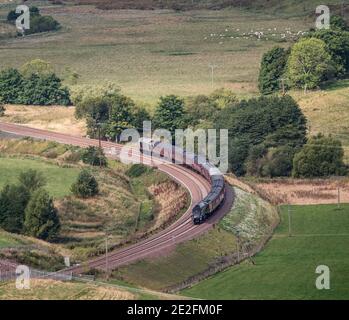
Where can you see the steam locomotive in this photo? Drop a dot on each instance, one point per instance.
(206, 207)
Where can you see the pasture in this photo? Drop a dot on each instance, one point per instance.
(156, 52)
(285, 269)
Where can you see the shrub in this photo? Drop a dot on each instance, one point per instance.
(137, 170)
(94, 156)
(42, 24)
(320, 157)
(32, 180)
(85, 186)
(41, 218)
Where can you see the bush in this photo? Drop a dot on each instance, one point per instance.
(41, 218)
(137, 170)
(320, 157)
(94, 156)
(85, 186)
(13, 201)
(32, 180)
(42, 24)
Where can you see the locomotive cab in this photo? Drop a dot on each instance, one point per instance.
(196, 216)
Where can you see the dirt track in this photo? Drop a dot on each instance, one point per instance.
(181, 230)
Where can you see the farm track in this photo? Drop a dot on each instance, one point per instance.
(181, 230)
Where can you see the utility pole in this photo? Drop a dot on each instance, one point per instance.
(106, 256)
(212, 66)
(283, 86)
(289, 221)
(338, 199)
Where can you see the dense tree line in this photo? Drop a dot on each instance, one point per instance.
(33, 89)
(318, 56)
(38, 23)
(264, 134)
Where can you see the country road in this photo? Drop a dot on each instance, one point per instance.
(181, 230)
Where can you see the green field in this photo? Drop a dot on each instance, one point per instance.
(285, 269)
(59, 179)
(155, 52)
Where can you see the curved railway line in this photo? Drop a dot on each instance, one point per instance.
(181, 230)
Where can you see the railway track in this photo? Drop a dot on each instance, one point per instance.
(180, 231)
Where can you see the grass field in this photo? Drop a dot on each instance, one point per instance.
(286, 268)
(59, 180)
(155, 52)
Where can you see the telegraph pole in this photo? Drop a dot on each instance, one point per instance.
(338, 199)
(212, 66)
(106, 256)
(283, 86)
(289, 221)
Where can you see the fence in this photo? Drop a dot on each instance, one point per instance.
(8, 273)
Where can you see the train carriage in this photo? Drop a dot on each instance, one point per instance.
(205, 208)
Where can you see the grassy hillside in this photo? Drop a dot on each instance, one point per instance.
(250, 215)
(327, 111)
(126, 208)
(286, 268)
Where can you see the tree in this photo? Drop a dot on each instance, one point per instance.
(43, 90)
(32, 180)
(338, 23)
(337, 44)
(320, 157)
(36, 89)
(94, 156)
(120, 116)
(267, 121)
(169, 113)
(38, 67)
(13, 201)
(308, 64)
(41, 218)
(85, 186)
(272, 69)
(11, 82)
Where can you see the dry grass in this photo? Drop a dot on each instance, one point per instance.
(54, 118)
(171, 199)
(57, 290)
(303, 192)
(327, 112)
